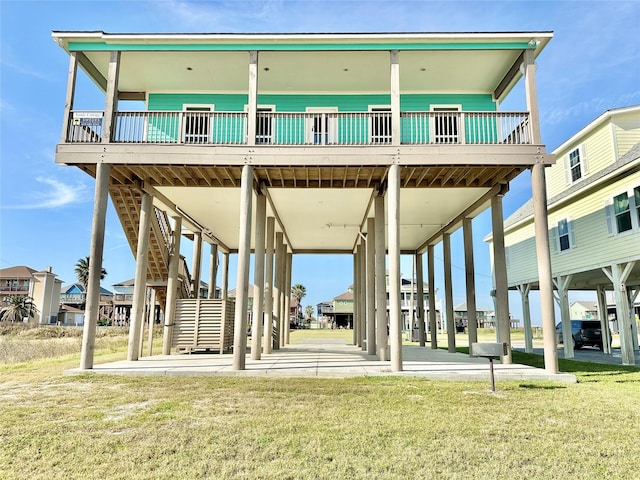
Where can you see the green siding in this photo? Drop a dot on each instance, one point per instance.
(291, 130)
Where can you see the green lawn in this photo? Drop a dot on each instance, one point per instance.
(94, 427)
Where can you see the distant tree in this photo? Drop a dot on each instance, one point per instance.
(308, 311)
(298, 292)
(15, 308)
(82, 272)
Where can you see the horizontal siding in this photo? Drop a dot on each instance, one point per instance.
(627, 131)
(593, 246)
(598, 152)
(299, 103)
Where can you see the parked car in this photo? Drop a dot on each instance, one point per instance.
(585, 333)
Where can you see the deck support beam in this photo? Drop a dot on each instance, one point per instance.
(603, 314)
(213, 271)
(381, 280)
(448, 293)
(562, 287)
(242, 285)
(431, 274)
(420, 298)
(258, 278)
(503, 322)
(277, 289)
(172, 286)
(371, 287)
(470, 281)
(287, 297)
(395, 325)
(196, 264)
(95, 265)
(268, 288)
(524, 290)
(140, 281)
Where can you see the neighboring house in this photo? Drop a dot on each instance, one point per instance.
(484, 317)
(581, 310)
(42, 286)
(320, 131)
(73, 299)
(594, 223)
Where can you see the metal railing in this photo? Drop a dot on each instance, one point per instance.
(304, 128)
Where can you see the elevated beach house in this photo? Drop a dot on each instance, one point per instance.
(594, 226)
(272, 145)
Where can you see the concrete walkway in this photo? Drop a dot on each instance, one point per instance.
(328, 358)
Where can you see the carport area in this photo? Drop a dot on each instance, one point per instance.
(327, 358)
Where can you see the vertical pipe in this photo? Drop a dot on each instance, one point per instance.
(95, 265)
(268, 288)
(242, 286)
(500, 269)
(172, 287)
(448, 294)
(381, 280)
(258, 277)
(140, 281)
(393, 194)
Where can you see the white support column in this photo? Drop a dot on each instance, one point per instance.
(395, 330)
(111, 95)
(258, 278)
(531, 94)
(140, 280)
(633, 294)
(433, 320)
(287, 298)
(620, 274)
(96, 249)
(395, 97)
(213, 271)
(242, 285)
(196, 264)
(543, 255)
(172, 286)
(356, 297)
(562, 286)
(252, 107)
(503, 322)
(268, 288)
(70, 96)
(277, 290)
(362, 296)
(371, 286)
(420, 302)
(470, 277)
(381, 280)
(152, 321)
(604, 318)
(524, 290)
(224, 294)
(448, 294)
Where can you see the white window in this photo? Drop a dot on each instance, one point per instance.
(576, 165)
(623, 212)
(197, 122)
(445, 125)
(565, 235)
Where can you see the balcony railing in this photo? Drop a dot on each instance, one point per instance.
(289, 128)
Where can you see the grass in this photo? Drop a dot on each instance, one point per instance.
(95, 427)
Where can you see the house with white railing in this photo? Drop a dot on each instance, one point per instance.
(272, 145)
(594, 227)
(41, 286)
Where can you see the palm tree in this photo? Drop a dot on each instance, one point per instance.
(308, 312)
(16, 308)
(298, 292)
(82, 272)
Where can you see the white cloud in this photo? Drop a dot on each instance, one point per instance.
(55, 194)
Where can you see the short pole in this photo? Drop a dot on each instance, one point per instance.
(493, 380)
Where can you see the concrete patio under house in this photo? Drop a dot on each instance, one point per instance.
(272, 145)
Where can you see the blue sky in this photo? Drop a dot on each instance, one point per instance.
(591, 65)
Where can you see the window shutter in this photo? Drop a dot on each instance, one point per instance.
(572, 235)
(553, 240)
(583, 160)
(608, 211)
(567, 170)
